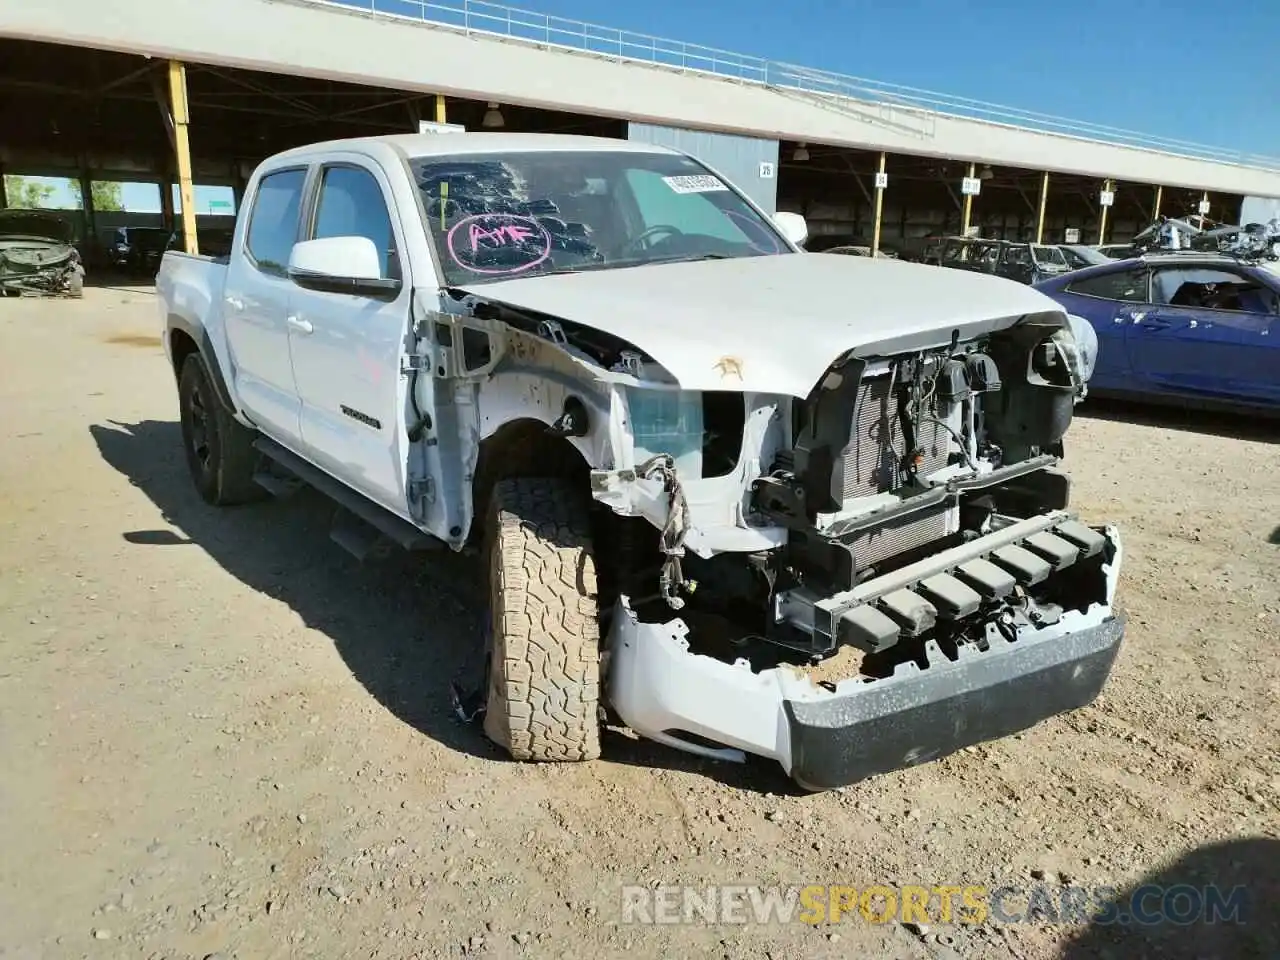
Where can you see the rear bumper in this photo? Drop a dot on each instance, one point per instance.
(827, 738)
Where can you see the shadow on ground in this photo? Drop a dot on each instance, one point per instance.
(105, 278)
(1217, 903)
(406, 625)
(1235, 425)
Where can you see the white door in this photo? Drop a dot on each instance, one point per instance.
(346, 347)
(256, 304)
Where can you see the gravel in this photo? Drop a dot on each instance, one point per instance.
(137, 624)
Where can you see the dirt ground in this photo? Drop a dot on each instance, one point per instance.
(220, 735)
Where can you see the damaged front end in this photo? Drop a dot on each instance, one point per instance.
(977, 658)
(867, 577)
(906, 579)
(37, 257)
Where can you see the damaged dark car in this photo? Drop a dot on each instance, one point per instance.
(38, 256)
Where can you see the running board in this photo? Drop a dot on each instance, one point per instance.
(279, 487)
(384, 521)
(357, 537)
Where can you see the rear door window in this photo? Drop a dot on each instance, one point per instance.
(273, 225)
(1126, 286)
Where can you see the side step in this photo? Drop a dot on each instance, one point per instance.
(358, 538)
(384, 521)
(279, 487)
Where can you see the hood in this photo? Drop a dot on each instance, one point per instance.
(27, 254)
(35, 224)
(774, 324)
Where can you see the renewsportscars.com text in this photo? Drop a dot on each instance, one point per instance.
(972, 904)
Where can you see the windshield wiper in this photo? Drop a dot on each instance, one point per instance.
(629, 262)
(690, 258)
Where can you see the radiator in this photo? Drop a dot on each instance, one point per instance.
(890, 539)
(876, 444)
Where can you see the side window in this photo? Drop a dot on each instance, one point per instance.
(1209, 289)
(351, 205)
(1128, 286)
(687, 212)
(273, 224)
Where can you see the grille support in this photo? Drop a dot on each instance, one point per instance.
(868, 467)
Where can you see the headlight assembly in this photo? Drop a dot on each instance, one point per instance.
(1067, 357)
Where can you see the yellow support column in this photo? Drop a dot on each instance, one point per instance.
(875, 235)
(1044, 200)
(1102, 223)
(182, 146)
(968, 203)
(440, 111)
(1159, 196)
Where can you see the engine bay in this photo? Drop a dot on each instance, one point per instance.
(891, 462)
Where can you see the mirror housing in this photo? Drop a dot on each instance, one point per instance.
(793, 227)
(341, 265)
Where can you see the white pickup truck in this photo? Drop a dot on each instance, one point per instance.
(737, 496)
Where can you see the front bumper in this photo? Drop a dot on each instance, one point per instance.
(827, 738)
(50, 280)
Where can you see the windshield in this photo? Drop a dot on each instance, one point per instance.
(31, 223)
(1048, 255)
(498, 216)
(146, 238)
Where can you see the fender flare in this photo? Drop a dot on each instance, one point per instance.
(204, 346)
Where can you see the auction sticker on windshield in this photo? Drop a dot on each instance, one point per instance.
(703, 184)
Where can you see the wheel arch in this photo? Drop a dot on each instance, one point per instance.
(523, 448)
(184, 338)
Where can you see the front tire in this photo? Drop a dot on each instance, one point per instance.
(544, 664)
(219, 449)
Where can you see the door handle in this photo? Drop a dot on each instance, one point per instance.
(299, 324)
(1153, 323)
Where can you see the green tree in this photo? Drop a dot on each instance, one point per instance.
(25, 194)
(106, 196)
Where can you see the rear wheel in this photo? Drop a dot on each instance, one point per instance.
(219, 449)
(544, 669)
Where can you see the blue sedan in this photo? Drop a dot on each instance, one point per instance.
(1181, 326)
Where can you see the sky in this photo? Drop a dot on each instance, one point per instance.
(1185, 69)
(1180, 69)
(141, 197)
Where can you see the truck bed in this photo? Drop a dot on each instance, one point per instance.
(189, 286)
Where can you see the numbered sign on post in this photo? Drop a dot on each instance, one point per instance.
(1107, 197)
(426, 126)
(767, 170)
(1204, 208)
(1073, 235)
(882, 181)
(971, 186)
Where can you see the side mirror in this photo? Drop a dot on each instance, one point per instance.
(793, 227)
(341, 265)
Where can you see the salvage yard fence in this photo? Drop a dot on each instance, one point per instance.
(482, 18)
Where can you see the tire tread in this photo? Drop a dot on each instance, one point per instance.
(545, 671)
